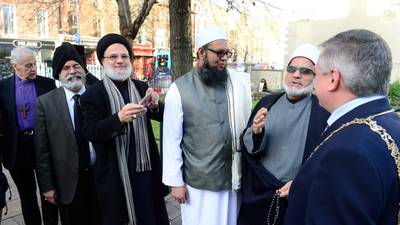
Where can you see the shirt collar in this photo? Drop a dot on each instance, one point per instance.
(342, 110)
(69, 94)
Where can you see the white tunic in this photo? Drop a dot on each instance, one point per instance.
(203, 207)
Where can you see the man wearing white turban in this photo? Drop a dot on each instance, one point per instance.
(281, 133)
(205, 111)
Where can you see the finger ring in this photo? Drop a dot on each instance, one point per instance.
(134, 116)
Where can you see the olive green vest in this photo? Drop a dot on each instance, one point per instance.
(206, 142)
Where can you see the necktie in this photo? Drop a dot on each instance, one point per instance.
(83, 144)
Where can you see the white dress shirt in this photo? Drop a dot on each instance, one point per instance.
(70, 101)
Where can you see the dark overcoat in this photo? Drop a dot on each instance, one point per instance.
(101, 128)
(352, 178)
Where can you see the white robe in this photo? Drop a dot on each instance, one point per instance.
(204, 207)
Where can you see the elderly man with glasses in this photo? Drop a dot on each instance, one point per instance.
(117, 112)
(281, 133)
(18, 94)
(205, 111)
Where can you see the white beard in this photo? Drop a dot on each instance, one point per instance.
(114, 75)
(298, 92)
(74, 85)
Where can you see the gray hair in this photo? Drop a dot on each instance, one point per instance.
(17, 52)
(362, 57)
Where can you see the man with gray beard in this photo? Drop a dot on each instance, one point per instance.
(282, 131)
(117, 112)
(64, 157)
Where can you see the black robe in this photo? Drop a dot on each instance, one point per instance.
(258, 184)
(101, 129)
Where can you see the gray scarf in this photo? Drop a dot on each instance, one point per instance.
(122, 141)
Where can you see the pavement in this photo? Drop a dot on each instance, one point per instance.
(14, 215)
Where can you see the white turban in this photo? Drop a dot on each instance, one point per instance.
(308, 51)
(209, 35)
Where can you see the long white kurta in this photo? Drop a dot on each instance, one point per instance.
(204, 207)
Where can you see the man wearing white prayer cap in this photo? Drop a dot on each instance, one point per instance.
(281, 133)
(205, 112)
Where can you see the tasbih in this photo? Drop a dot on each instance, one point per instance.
(274, 201)
(373, 126)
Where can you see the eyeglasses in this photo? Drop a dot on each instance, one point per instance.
(302, 70)
(75, 67)
(221, 53)
(115, 57)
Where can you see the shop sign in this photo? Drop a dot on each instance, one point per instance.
(27, 43)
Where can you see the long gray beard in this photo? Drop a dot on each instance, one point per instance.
(299, 92)
(212, 76)
(75, 85)
(114, 75)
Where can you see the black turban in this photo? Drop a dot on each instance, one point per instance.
(108, 40)
(62, 54)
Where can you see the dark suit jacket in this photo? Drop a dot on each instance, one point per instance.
(91, 79)
(351, 178)
(7, 96)
(258, 184)
(101, 127)
(57, 154)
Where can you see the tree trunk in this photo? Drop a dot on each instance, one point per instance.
(126, 27)
(180, 37)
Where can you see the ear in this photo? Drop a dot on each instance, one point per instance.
(334, 82)
(14, 66)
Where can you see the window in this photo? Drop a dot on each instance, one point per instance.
(160, 38)
(9, 20)
(97, 27)
(73, 24)
(42, 23)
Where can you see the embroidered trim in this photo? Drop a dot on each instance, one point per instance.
(373, 126)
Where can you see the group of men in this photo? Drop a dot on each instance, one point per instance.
(322, 152)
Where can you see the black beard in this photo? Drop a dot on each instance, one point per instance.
(212, 76)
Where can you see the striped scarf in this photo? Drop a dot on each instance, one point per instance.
(122, 141)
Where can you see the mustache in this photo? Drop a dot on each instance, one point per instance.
(72, 76)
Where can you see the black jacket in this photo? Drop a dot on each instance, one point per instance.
(7, 97)
(258, 184)
(101, 128)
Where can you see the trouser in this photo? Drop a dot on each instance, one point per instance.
(23, 175)
(83, 210)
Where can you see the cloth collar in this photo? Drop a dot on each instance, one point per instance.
(69, 94)
(342, 110)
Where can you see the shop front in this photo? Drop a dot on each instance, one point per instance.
(43, 49)
(143, 61)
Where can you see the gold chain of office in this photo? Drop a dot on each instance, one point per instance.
(373, 126)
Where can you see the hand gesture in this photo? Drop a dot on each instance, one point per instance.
(151, 99)
(259, 120)
(130, 112)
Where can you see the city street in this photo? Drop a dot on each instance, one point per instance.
(14, 215)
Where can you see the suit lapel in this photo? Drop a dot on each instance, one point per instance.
(62, 106)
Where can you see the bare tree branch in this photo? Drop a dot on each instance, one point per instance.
(127, 28)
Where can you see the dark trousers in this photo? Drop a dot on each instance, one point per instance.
(83, 209)
(24, 178)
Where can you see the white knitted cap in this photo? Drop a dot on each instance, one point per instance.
(308, 51)
(209, 35)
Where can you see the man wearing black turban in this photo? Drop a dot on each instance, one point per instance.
(117, 120)
(64, 157)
